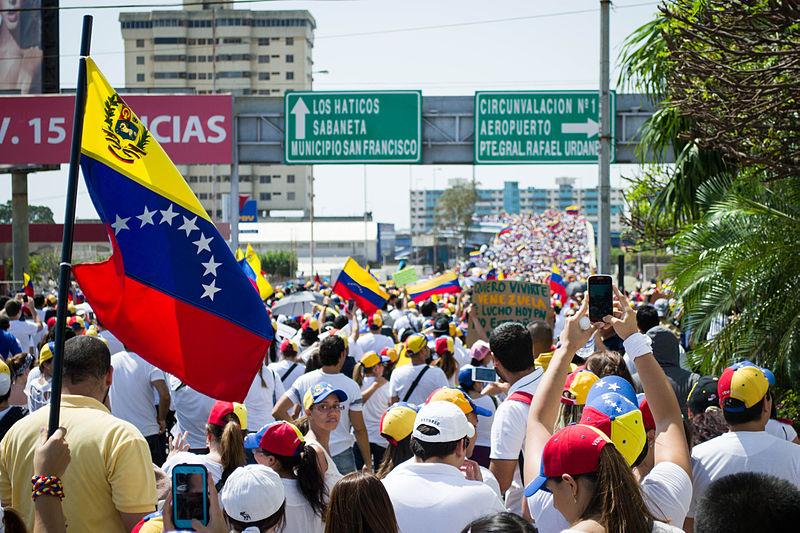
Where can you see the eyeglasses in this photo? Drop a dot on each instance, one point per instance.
(322, 408)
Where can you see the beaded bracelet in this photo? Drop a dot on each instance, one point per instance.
(50, 485)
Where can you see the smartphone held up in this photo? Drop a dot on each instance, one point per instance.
(601, 297)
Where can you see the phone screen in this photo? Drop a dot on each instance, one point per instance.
(351, 304)
(484, 374)
(190, 497)
(601, 302)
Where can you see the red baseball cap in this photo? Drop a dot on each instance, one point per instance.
(647, 414)
(288, 345)
(279, 438)
(222, 409)
(444, 344)
(573, 450)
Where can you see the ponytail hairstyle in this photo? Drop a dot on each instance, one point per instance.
(359, 372)
(397, 452)
(617, 498)
(231, 444)
(447, 362)
(305, 469)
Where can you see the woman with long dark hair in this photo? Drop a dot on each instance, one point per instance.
(360, 504)
(369, 374)
(396, 426)
(281, 447)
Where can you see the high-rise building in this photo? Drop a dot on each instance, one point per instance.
(513, 200)
(215, 48)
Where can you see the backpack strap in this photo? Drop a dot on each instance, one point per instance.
(288, 371)
(415, 383)
(522, 397)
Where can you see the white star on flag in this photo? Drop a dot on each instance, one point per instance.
(188, 225)
(120, 224)
(613, 386)
(168, 215)
(202, 243)
(211, 267)
(210, 290)
(146, 217)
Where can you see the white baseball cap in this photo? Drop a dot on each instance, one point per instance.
(5, 378)
(451, 422)
(252, 493)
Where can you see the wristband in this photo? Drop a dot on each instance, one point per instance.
(637, 345)
(47, 485)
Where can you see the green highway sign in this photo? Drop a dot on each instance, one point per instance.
(353, 127)
(539, 127)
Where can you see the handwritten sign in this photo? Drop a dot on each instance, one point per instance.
(498, 301)
(405, 277)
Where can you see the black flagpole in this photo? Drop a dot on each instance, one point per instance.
(65, 267)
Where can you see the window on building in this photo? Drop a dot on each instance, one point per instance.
(232, 40)
(192, 179)
(277, 193)
(290, 195)
(265, 196)
(139, 43)
(219, 213)
(169, 40)
(203, 196)
(263, 91)
(263, 76)
(289, 41)
(140, 60)
(245, 179)
(290, 58)
(263, 59)
(265, 179)
(289, 178)
(263, 41)
(290, 75)
(140, 77)
(169, 75)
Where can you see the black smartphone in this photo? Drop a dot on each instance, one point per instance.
(189, 495)
(351, 305)
(601, 297)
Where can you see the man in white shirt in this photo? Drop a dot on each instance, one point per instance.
(131, 394)
(512, 348)
(413, 383)
(374, 341)
(23, 330)
(290, 367)
(191, 412)
(332, 353)
(114, 344)
(429, 492)
(746, 403)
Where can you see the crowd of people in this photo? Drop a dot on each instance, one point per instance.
(389, 421)
(529, 245)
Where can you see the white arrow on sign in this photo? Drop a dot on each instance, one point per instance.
(300, 111)
(590, 128)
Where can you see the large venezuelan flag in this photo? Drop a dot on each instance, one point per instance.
(355, 283)
(171, 290)
(447, 283)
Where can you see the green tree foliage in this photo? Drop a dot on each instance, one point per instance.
(37, 214)
(456, 208)
(279, 263)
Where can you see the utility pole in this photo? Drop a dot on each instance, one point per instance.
(604, 188)
(233, 216)
(19, 223)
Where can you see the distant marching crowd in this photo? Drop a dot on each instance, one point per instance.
(391, 421)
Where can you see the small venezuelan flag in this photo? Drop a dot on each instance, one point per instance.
(557, 285)
(171, 290)
(445, 284)
(27, 285)
(355, 283)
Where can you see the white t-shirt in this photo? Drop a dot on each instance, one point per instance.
(191, 411)
(437, 497)
(114, 344)
(780, 430)
(38, 393)
(485, 422)
(374, 409)
(404, 376)
(24, 331)
(508, 433)
(374, 342)
(261, 399)
(300, 518)
(461, 353)
(490, 481)
(354, 350)
(332, 474)
(214, 468)
(667, 491)
(742, 451)
(282, 366)
(340, 439)
(131, 391)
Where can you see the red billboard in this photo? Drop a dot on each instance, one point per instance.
(192, 129)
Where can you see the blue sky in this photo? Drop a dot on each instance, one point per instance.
(442, 47)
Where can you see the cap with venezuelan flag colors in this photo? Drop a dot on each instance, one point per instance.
(577, 386)
(741, 386)
(415, 343)
(445, 345)
(221, 410)
(279, 438)
(5, 379)
(397, 422)
(458, 397)
(573, 450)
(319, 392)
(616, 384)
(391, 353)
(620, 419)
(370, 359)
(46, 352)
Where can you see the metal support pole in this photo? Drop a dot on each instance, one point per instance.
(311, 223)
(19, 222)
(234, 207)
(366, 252)
(604, 188)
(65, 268)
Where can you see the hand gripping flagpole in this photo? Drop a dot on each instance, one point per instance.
(65, 267)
